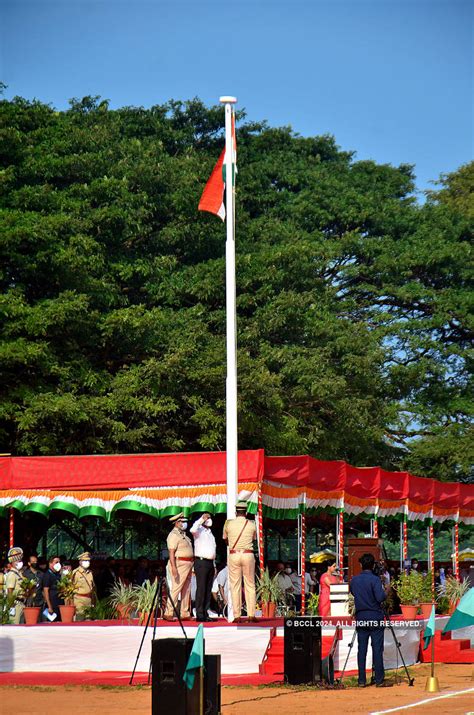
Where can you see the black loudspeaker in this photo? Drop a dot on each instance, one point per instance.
(169, 693)
(302, 655)
(212, 685)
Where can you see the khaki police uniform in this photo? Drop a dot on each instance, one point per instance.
(241, 563)
(13, 581)
(83, 598)
(181, 545)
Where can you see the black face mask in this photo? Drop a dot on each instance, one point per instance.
(34, 566)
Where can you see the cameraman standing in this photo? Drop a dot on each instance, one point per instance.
(369, 595)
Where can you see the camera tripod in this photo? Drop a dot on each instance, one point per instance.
(398, 646)
(155, 606)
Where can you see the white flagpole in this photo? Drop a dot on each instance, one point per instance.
(231, 318)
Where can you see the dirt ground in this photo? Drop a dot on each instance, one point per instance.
(263, 700)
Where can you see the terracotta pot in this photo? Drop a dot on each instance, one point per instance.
(452, 607)
(123, 611)
(409, 612)
(426, 609)
(31, 614)
(268, 609)
(67, 613)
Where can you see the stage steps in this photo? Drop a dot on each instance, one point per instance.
(448, 650)
(273, 660)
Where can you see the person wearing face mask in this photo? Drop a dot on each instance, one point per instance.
(204, 556)
(13, 582)
(32, 572)
(240, 533)
(84, 582)
(50, 587)
(180, 565)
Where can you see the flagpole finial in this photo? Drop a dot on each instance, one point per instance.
(227, 100)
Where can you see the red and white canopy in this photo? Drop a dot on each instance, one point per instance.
(163, 484)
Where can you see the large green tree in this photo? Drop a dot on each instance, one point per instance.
(353, 299)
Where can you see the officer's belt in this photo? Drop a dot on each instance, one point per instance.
(241, 551)
(185, 558)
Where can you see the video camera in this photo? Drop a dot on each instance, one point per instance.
(378, 568)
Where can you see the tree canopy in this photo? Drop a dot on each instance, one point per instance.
(353, 299)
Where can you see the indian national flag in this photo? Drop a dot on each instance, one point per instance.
(212, 198)
(463, 616)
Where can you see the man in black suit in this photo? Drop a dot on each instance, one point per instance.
(369, 595)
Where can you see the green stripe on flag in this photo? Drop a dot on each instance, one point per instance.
(463, 616)
(196, 659)
(430, 629)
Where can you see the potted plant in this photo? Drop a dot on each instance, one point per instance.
(143, 598)
(312, 604)
(442, 603)
(269, 593)
(426, 595)
(67, 589)
(454, 590)
(101, 610)
(28, 591)
(6, 604)
(408, 587)
(122, 599)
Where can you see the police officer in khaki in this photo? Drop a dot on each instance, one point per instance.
(85, 587)
(240, 534)
(180, 566)
(13, 581)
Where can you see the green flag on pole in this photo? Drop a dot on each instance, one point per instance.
(196, 659)
(430, 629)
(463, 616)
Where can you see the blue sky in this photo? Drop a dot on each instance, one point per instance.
(391, 79)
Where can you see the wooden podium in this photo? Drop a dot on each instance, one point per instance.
(357, 547)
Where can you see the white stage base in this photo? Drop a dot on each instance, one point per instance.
(77, 648)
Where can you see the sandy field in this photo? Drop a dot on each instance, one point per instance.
(263, 700)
